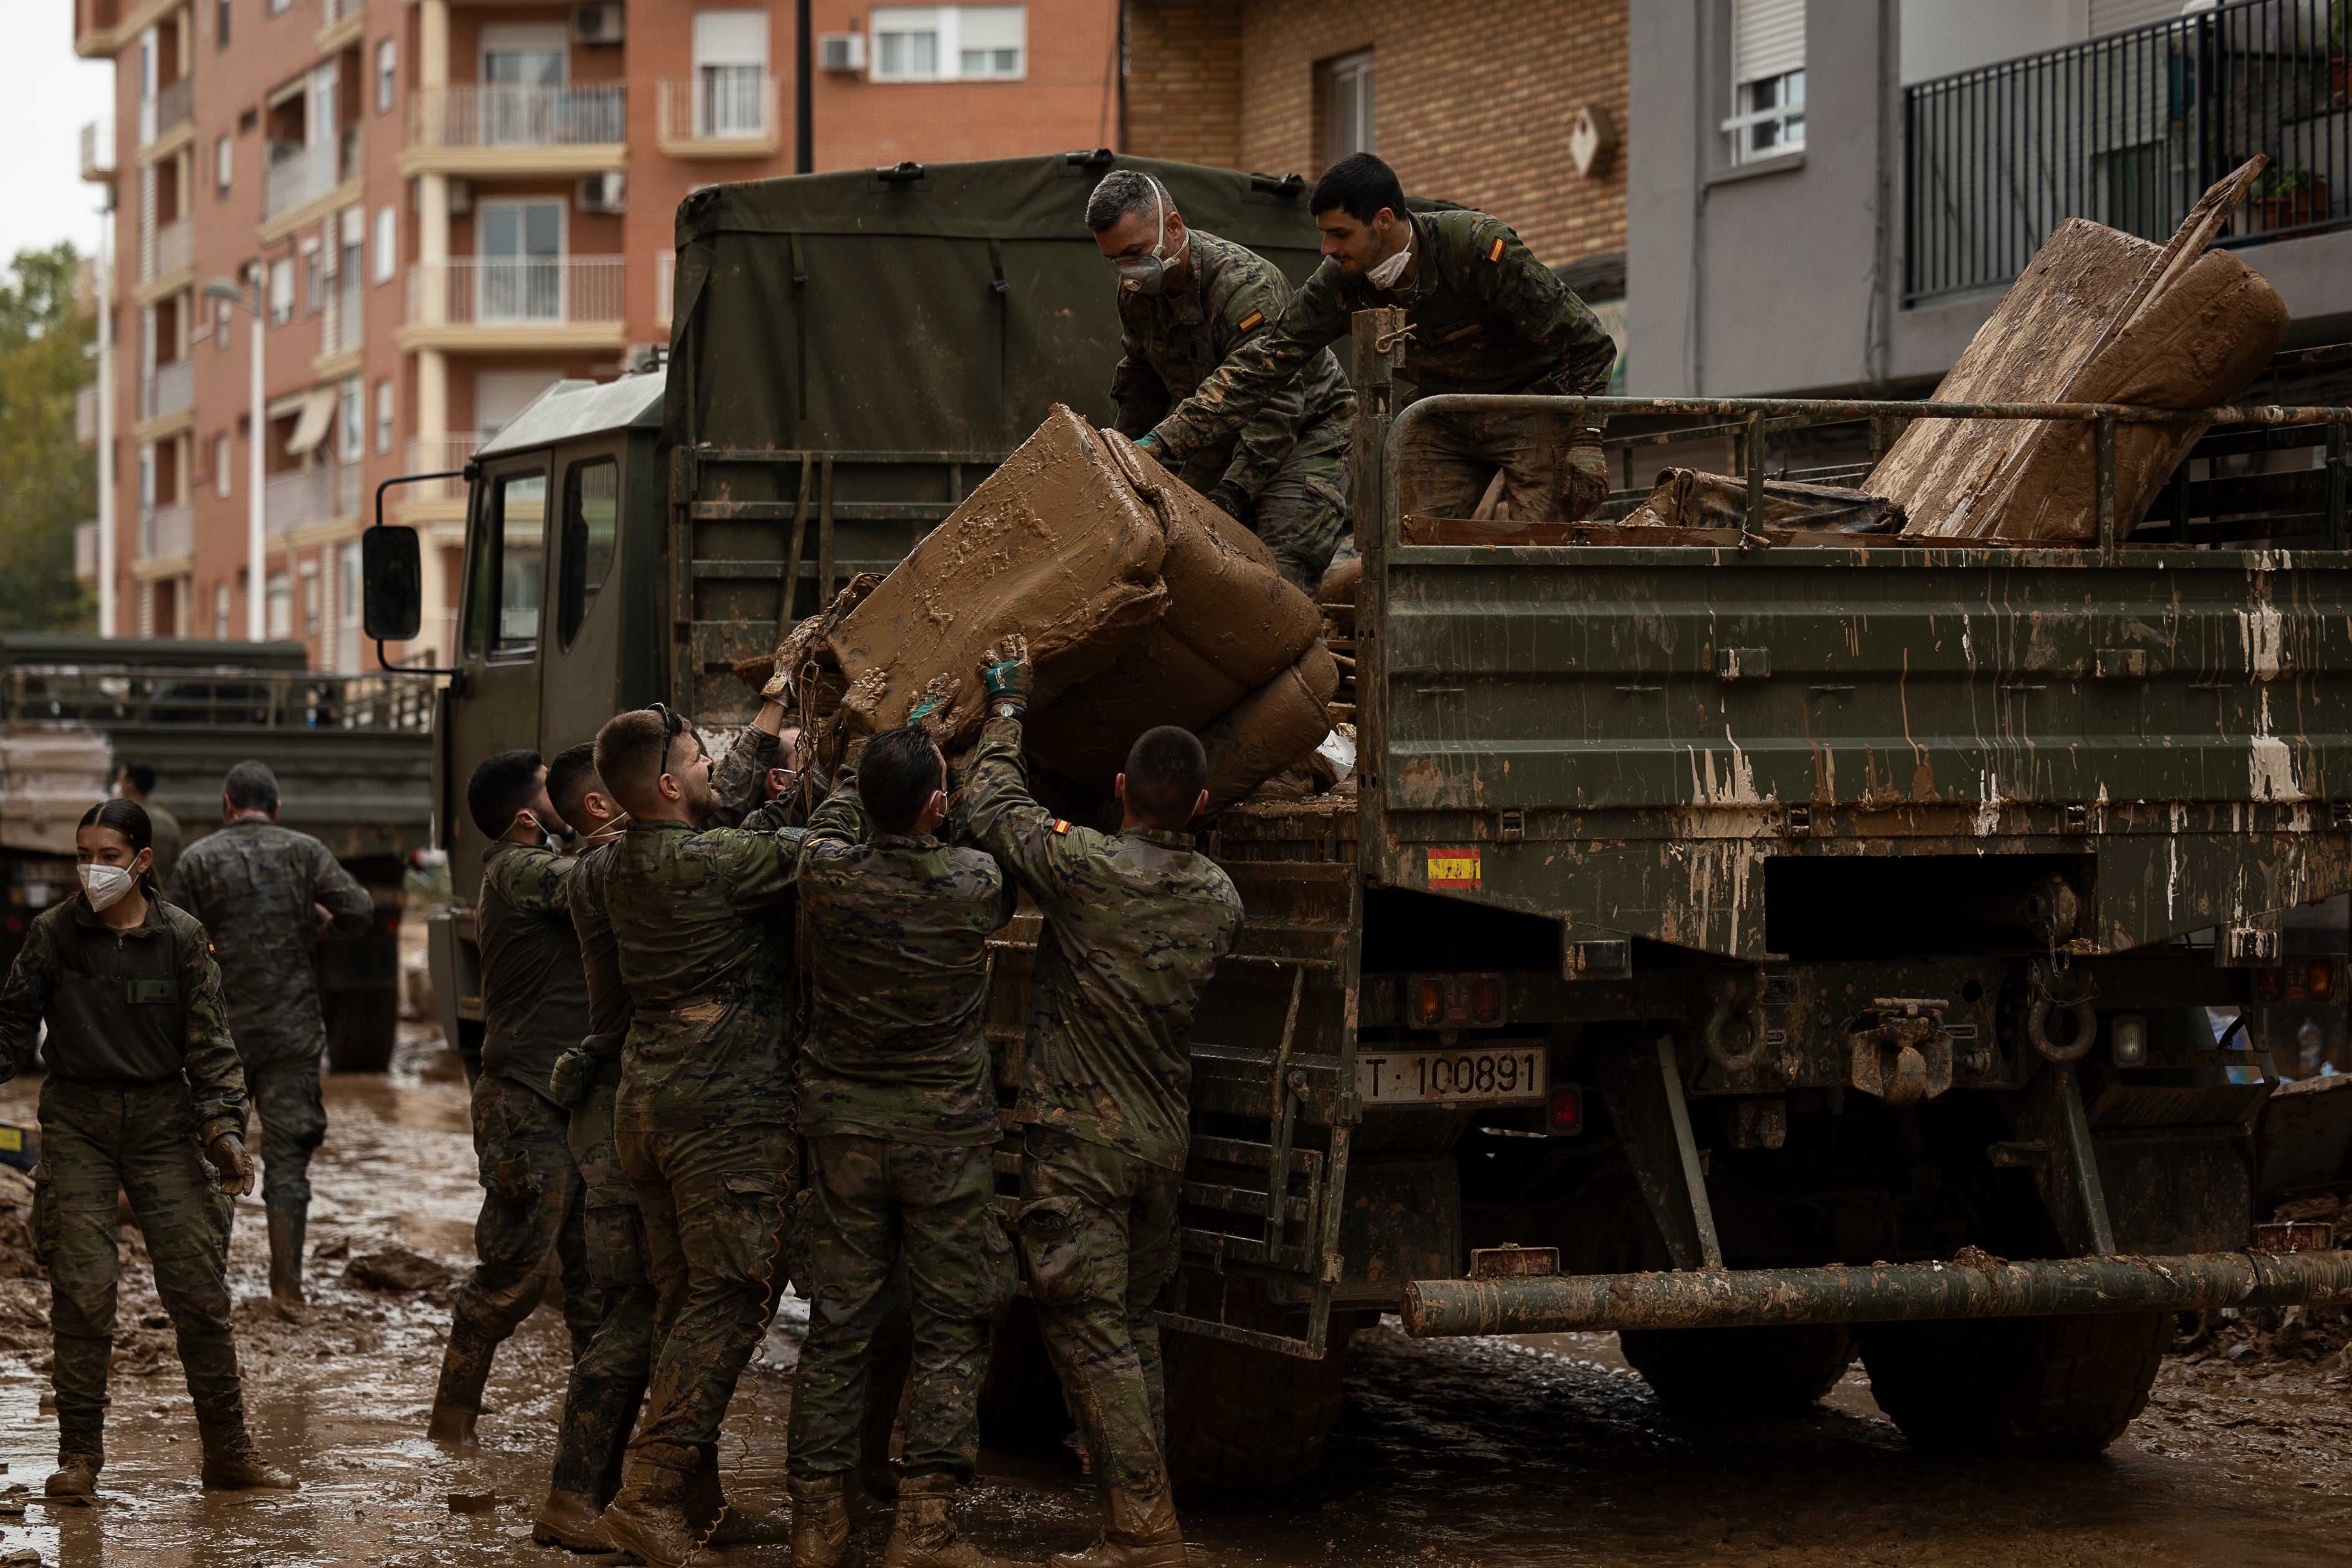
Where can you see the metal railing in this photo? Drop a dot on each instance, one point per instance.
(166, 390)
(519, 290)
(2128, 130)
(299, 497)
(227, 697)
(169, 247)
(167, 530)
(344, 327)
(718, 103)
(296, 176)
(167, 111)
(503, 114)
(98, 150)
(437, 456)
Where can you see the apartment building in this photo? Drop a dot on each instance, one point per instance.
(435, 208)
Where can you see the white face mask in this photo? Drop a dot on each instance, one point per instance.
(1149, 274)
(1386, 274)
(105, 886)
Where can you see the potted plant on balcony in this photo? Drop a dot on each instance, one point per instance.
(2292, 197)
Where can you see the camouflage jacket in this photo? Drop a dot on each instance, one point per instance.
(896, 932)
(142, 1005)
(168, 836)
(534, 989)
(1485, 316)
(252, 884)
(1135, 923)
(1171, 344)
(600, 956)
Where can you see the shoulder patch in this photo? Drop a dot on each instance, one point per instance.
(1060, 826)
(1495, 251)
(1250, 322)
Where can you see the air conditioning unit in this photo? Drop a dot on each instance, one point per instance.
(599, 24)
(840, 52)
(604, 192)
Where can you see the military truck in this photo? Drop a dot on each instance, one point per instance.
(1807, 940)
(352, 755)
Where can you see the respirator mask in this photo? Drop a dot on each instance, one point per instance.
(1149, 274)
(104, 886)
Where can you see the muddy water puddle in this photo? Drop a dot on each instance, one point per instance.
(1535, 1449)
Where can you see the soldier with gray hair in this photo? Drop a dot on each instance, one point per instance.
(1187, 303)
(267, 894)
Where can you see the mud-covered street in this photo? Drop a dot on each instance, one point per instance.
(1540, 1449)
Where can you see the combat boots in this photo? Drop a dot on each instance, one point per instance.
(1136, 1534)
(458, 1400)
(821, 1522)
(567, 1519)
(290, 1217)
(81, 1454)
(721, 1520)
(923, 1536)
(648, 1519)
(597, 1414)
(232, 1464)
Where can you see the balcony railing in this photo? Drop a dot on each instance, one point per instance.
(501, 292)
(298, 177)
(445, 454)
(2127, 130)
(98, 150)
(167, 530)
(344, 327)
(168, 389)
(169, 247)
(501, 114)
(304, 496)
(167, 111)
(718, 103)
(215, 696)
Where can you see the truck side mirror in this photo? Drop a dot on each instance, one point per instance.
(392, 583)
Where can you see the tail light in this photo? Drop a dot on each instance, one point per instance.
(2270, 984)
(1487, 1000)
(1426, 1006)
(1456, 1001)
(1564, 1112)
(2321, 983)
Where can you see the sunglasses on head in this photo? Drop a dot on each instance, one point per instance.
(671, 726)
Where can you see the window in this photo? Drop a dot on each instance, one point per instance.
(309, 598)
(282, 290)
(279, 7)
(388, 74)
(220, 590)
(222, 311)
(1348, 106)
(521, 273)
(314, 284)
(347, 610)
(522, 64)
(1767, 79)
(278, 606)
(730, 70)
(221, 465)
(351, 421)
(384, 415)
(949, 43)
(386, 232)
(220, 24)
(591, 509)
(508, 554)
(223, 162)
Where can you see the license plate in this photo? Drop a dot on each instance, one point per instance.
(1501, 1074)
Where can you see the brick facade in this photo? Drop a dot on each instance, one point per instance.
(1473, 99)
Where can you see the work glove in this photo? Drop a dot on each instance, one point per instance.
(236, 1166)
(932, 709)
(573, 1078)
(1148, 442)
(1006, 673)
(1234, 501)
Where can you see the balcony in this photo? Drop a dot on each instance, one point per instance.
(438, 501)
(303, 497)
(98, 150)
(343, 331)
(341, 23)
(720, 111)
(492, 128)
(171, 108)
(2127, 130)
(495, 302)
(300, 176)
(167, 249)
(95, 22)
(167, 390)
(167, 532)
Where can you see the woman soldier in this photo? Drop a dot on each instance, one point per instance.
(143, 1089)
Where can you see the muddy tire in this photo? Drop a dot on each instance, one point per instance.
(1245, 1420)
(2050, 1385)
(1763, 1371)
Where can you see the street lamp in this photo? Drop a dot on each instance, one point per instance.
(223, 291)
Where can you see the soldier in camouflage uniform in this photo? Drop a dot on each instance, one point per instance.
(143, 1089)
(136, 781)
(899, 1113)
(1135, 923)
(268, 894)
(1283, 471)
(534, 1008)
(1485, 316)
(702, 1114)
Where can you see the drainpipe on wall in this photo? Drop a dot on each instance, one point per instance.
(803, 111)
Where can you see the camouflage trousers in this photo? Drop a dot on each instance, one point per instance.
(608, 1379)
(1302, 511)
(99, 1141)
(1551, 467)
(713, 1202)
(1098, 1233)
(874, 1204)
(293, 1116)
(530, 1212)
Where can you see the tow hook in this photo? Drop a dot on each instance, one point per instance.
(2044, 1003)
(1729, 991)
(1902, 1052)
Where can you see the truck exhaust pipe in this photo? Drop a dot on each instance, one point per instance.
(1974, 1284)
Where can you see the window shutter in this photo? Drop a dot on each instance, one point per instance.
(730, 38)
(990, 27)
(2117, 15)
(1767, 37)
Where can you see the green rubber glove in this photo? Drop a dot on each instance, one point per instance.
(1006, 673)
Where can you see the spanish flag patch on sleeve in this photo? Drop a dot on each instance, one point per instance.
(1251, 322)
(1495, 251)
(1060, 826)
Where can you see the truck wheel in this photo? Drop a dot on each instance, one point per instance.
(1775, 1370)
(2050, 1385)
(1241, 1419)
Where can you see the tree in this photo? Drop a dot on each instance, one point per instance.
(47, 482)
